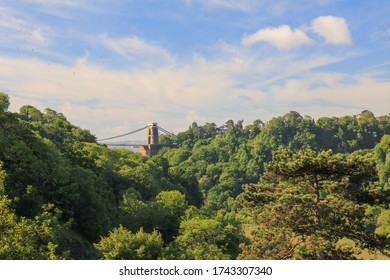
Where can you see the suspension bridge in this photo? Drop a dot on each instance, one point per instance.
(149, 148)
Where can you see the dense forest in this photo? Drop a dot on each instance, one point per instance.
(290, 188)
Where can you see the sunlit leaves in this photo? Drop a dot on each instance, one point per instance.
(122, 244)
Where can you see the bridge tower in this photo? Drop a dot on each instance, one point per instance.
(152, 135)
(152, 146)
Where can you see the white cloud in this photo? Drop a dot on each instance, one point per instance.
(131, 47)
(282, 37)
(333, 29)
(332, 94)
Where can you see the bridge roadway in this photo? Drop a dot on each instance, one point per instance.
(135, 143)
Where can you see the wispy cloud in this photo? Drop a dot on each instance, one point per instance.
(9, 20)
(271, 7)
(20, 32)
(59, 3)
(64, 9)
(134, 47)
(382, 34)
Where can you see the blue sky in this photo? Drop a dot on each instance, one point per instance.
(113, 66)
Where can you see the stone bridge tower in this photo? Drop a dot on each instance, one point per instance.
(152, 146)
(152, 135)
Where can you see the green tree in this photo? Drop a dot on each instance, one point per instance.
(172, 206)
(4, 102)
(173, 201)
(30, 113)
(164, 213)
(201, 239)
(135, 209)
(309, 203)
(254, 129)
(121, 244)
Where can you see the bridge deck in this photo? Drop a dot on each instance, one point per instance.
(125, 144)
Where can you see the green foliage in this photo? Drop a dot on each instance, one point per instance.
(310, 202)
(173, 201)
(201, 239)
(383, 224)
(54, 126)
(121, 244)
(164, 213)
(4, 102)
(382, 158)
(383, 230)
(23, 238)
(196, 132)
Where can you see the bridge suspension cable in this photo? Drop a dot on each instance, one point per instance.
(128, 133)
(166, 131)
(135, 131)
